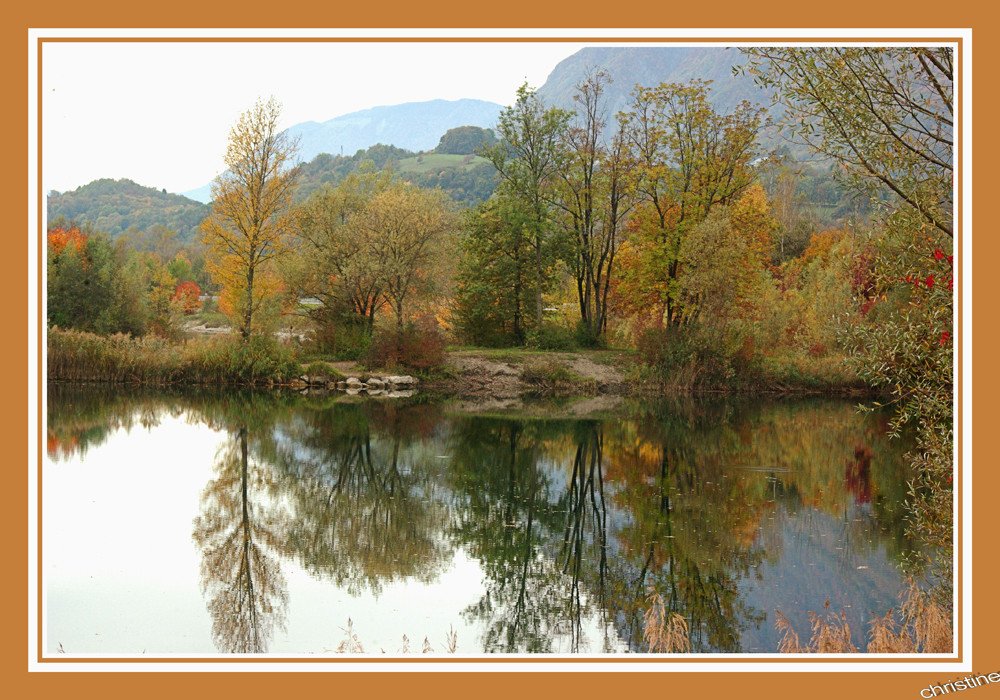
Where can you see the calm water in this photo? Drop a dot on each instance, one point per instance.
(191, 523)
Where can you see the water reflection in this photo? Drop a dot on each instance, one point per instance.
(729, 510)
(363, 499)
(238, 533)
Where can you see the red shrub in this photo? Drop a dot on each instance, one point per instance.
(187, 294)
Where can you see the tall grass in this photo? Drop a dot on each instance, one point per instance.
(351, 644)
(120, 358)
(664, 633)
(924, 626)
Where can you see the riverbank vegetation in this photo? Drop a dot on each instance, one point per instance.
(663, 230)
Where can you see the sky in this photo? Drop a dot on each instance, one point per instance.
(160, 113)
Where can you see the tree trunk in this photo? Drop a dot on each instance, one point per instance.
(248, 314)
(518, 332)
(538, 278)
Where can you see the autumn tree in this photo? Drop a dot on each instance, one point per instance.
(725, 260)
(405, 231)
(250, 224)
(528, 161)
(594, 196)
(187, 296)
(687, 159)
(333, 263)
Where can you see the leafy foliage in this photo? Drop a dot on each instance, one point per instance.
(886, 113)
(463, 140)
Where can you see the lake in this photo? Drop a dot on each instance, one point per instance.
(203, 522)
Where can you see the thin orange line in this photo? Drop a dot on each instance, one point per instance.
(41, 345)
(492, 40)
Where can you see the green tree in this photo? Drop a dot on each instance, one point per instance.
(93, 285)
(463, 140)
(250, 224)
(495, 280)
(595, 197)
(528, 160)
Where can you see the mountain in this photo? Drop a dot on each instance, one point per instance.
(650, 66)
(413, 126)
(114, 206)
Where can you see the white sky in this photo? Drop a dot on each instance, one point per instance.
(160, 113)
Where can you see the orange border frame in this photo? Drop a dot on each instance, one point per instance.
(734, 682)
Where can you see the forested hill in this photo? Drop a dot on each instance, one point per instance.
(466, 178)
(114, 206)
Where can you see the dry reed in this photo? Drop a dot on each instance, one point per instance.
(351, 644)
(664, 633)
(924, 626)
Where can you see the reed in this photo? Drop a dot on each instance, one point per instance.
(351, 644)
(123, 359)
(664, 633)
(923, 625)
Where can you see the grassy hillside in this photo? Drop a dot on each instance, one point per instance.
(438, 161)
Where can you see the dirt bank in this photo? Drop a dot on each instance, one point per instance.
(506, 376)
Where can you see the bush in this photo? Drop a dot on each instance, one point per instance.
(551, 337)
(550, 375)
(418, 347)
(230, 361)
(322, 369)
(693, 355)
(339, 335)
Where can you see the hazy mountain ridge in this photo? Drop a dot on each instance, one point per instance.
(650, 66)
(412, 126)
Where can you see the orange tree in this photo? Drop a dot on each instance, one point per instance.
(686, 158)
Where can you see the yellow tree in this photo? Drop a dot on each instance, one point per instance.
(406, 231)
(251, 223)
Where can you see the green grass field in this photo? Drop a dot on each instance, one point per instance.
(437, 161)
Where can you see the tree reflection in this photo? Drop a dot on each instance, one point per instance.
(364, 499)
(246, 590)
(541, 537)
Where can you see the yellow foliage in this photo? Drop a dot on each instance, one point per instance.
(251, 225)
